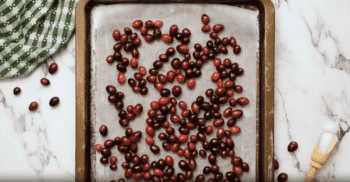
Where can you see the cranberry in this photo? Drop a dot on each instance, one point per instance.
(169, 160)
(292, 146)
(53, 68)
(149, 24)
(191, 83)
(233, 41)
(215, 76)
(133, 62)
(214, 35)
(282, 177)
(205, 19)
(275, 164)
(235, 130)
(137, 24)
(170, 51)
(182, 48)
(242, 101)
(104, 160)
(17, 90)
(236, 49)
(98, 147)
(105, 152)
(157, 33)
(116, 34)
(148, 38)
(166, 38)
(180, 78)
(149, 140)
(173, 30)
(155, 149)
(227, 112)
(137, 42)
(158, 85)
(206, 28)
(245, 167)
(121, 78)
(237, 170)
(236, 161)
(182, 138)
(220, 133)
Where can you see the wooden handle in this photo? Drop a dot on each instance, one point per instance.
(311, 175)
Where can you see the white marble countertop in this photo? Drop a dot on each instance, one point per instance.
(312, 95)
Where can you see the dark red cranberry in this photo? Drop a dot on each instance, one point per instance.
(43, 81)
(275, 164)
(236, 49)
(292, 146)
(103, 130)
(53, 68)
(170, 51)
(154, 148)
(173, 30)
(205, 19)
(282, 177)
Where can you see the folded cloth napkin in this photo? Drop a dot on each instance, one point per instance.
(31, 31)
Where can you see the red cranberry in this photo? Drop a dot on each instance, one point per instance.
(236, 161)
(215, 76)
(182, 48)
(149, 24)
(137, 42)
(133, 62)
(104, 160)
(242, 101)
(275, 164)
(137, 24)
(206, 28)
(236, 49)
(121, 78)
(116, 34)
(245, 167)
(17, 90)
(166, 38)
(282, 177)
(191, 83)
(180, 78)
(148, 38)
(237, 170)
(53, 68)
(236, 114)
(169, 160)
(98, 147)
(214, 35)
(173, 30)
(157, 33)
(292, 146)
(235, 130)
(233, 41)
(205, 19)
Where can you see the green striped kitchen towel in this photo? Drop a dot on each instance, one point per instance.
(31, 31)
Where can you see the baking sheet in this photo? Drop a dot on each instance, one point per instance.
(240, 23)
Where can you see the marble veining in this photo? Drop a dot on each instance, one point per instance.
(41, 144)
(312, 95)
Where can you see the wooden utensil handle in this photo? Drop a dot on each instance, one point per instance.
(311, 175)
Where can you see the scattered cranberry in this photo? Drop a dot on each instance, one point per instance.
(205, 19)
(282, 177)
(17, 90)
(275, 164)
(53, 68)
(98, 147)
(206, 28)
(166, 38)
(292, 146)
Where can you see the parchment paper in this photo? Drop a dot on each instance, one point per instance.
(239, 22)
